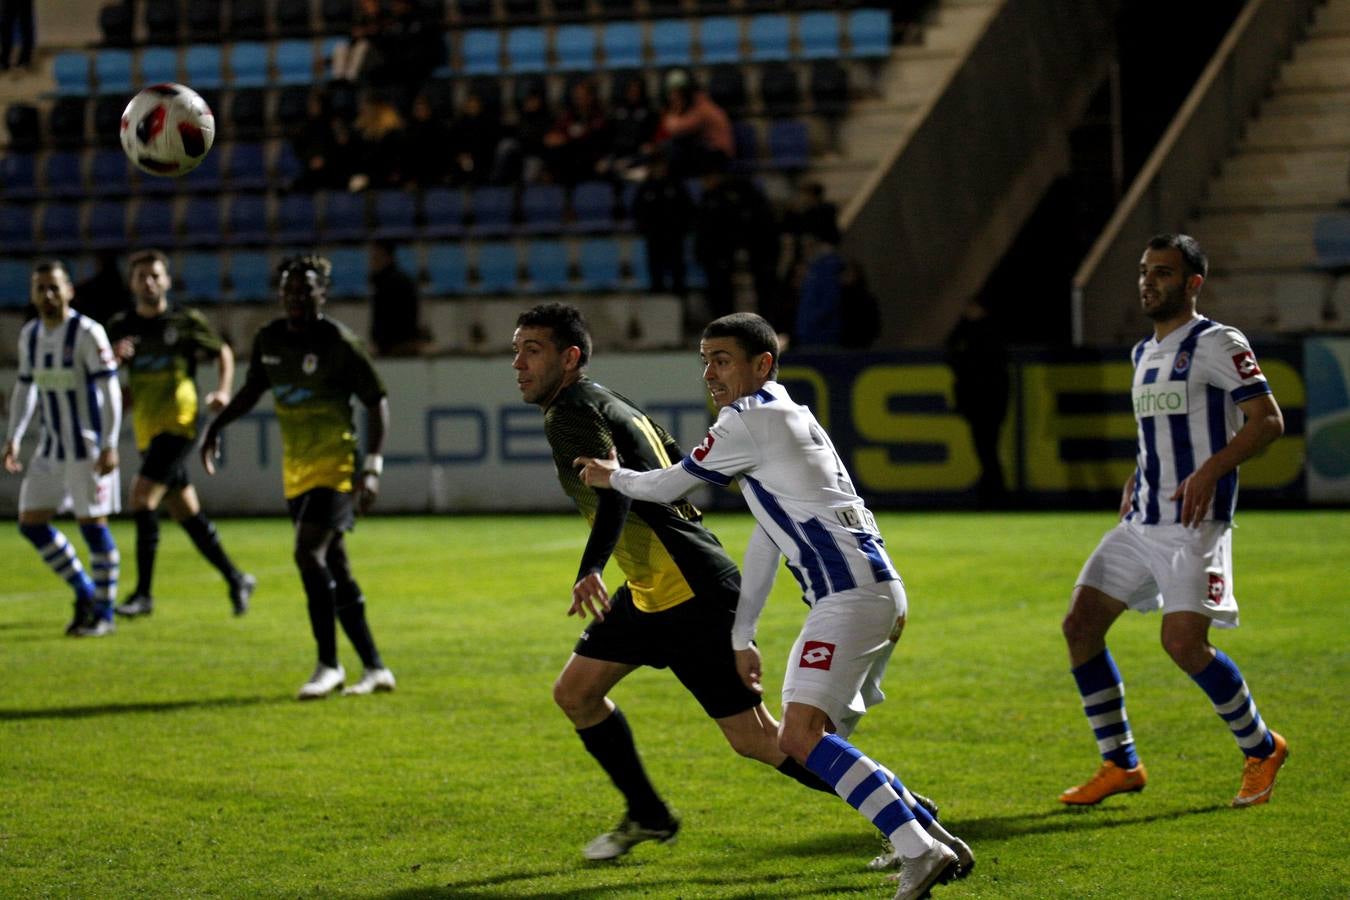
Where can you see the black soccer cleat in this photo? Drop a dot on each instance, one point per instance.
(241, 589)
(139, 605)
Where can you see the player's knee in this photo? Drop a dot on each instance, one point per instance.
(308, 559)
(1188, 652)
(798, 742)
(572, 698)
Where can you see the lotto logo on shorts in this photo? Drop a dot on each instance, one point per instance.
(816, 655)
(1215, 596)
(1246, 365)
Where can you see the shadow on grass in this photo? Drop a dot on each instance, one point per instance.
(117, 709)
(495, 888)
(1053, 821)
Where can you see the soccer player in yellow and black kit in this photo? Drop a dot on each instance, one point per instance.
(676, 608)
(313, 367)
(160, 343)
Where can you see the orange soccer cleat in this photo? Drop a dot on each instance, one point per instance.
(1258, 775)
(1110, 779)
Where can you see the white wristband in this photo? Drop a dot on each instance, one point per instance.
(374, 465)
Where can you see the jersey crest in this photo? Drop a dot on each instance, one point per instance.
(309, 364)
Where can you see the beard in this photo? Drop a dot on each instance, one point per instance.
(1171, 304)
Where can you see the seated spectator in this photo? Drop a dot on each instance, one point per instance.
(350, 58)
(819, 320)
(426, 157)
(632, 126)
(474, 136)
(380, 135)
(406, 49)
(522, 149)
(698, 131)
(395, 306)
(579, 139)
(324, 145)
(662, 214)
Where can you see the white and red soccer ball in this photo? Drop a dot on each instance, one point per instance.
(167, 129)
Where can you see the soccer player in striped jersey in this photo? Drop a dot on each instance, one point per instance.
(1203, 407)
(159, 343)
(68, 375)
(314, 366)
(806, 510)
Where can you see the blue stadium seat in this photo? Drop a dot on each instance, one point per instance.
(246, 220)
(248, 64)
(201, 221)
(152, 222)
(493, 211)
(747, 147)
(726, 86)
(201, 66)
(351, 272)
(672, 42)
(548, 267)
(70, 68)
(206, 177)
(107, 224)
(526, 50)
(574, 46)
(159, 65)
(196, 277)
(818, 34)
(443, 212)
(296, 222)
(789, 145)
(161, 21)
(294, 61)
(598, 259)
(250, 276)
(287, 166)
(63, 174)
(1331, 241)
(447, 270)
(779, 91)
(109, 172)
(60, 226)
(497, 269)
(719, 40)
(638, 274)
(592, 207)
(17, 231)
(481, 51)
(18, 176)
(15, 278)
(542, 207)
(770, 37)
(623, 45)
(343, 216)
(245, 166)
(869, 33)
(395, 214)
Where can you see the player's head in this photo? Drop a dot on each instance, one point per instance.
(739, 353)
(51, 290)
(302, 284)
(149, 277)
(550, 348)
(1171, 272)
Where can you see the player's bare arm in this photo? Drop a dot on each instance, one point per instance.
(596, 472)
(13, 465)
(1264, 424)
(217, 400)
(246, 399)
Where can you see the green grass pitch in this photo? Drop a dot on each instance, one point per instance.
(172, 760)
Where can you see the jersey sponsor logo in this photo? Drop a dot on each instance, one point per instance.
(816, 655)
(1160, 399)
(1245, 363)
(703, 449)
(1214, 597)
(1182, 362)
(309, 364)
(55, 379)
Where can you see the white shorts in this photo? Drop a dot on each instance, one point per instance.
(60, 485)
(1167, 567)
(840, 656)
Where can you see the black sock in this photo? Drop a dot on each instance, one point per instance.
(203, 533)
(611, 743)
(319, 592)
(147, 545)
(351, 612)
(794, 770)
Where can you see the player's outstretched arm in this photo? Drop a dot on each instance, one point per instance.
(246, 399)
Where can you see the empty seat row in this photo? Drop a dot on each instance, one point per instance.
(104, 171)
(202, 66)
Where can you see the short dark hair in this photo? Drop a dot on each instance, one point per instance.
(48, 266)
(145, 258)
(751, 332)
(566, 322)
(1194, 258)
(301, 263)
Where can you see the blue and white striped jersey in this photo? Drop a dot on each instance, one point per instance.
(798, 490)
(1186, 392)
(67, 373)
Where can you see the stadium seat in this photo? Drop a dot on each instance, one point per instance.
(622, 42)
(474, 12)
(726, 87)
(112, 71)
(789, 145)
(343, 216)
(443, 212)
(250, 276)
(521, 10)
(108, 111)
(618, 9)
(818, 33)
(70, 68)
(201, 221)
(493, 211)
(637, 271)
(351, 272)
(286, 167)
(246, 219)
(162, 21)
(248, 64)
(152, 222)
(568, 10)
(294, 61)
(246, 20)
(672, 42)
(599, 262)
(65, 123)
(547, 266)
(1331, 241)
(395, 214)
(63, 174)
(18, 176)
(107, 224)
(592, 208)
(829, 88)
(542, 207)
(296, 221)
(526, 50)
(109, 172)
(447, 270)
(158, 65)
(778, 90)
(336, 16)
(869, 33)
(481, 50)
(769, 35)
(245, 115)
(747, 147)
(197, 277)
(497, 268)
(245, 166)
(21, 121)
(17, 235)
(292, 18)
(719, 40)
(203, 20)
(115, 24)
(60, 226)
(574, 46)
(15, 277)
(205, 178)
(201, 66)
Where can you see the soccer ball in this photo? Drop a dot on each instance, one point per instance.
(167, 129)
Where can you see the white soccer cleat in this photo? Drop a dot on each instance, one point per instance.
(935, 865)
(372, 681)
(627, 835)
(323, 682)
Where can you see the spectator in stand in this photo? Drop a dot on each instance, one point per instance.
(395, 306)
(16, 15)
(426, 161)
(811, 214)
(663, 213)
(324, 145)
(380, 138)
(349, 59)
(632, 126)
(522, 149)
(475, 135)
(698, 130)
(819, 315)
(103, 294)
(579, 139)
(407, 49)
(733, 214)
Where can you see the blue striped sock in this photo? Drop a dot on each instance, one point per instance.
(1223, 684)
(60, 557)
(863, 786)
(105, 563)
(1103, 695)
(921, 815)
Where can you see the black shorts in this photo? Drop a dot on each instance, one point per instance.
(693, 640)
(165, 460)
(325, 507)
